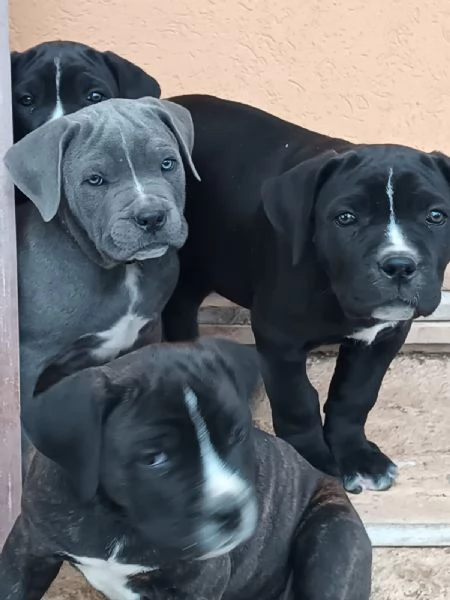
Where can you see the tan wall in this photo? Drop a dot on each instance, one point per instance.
(366, 70)
(374, 71)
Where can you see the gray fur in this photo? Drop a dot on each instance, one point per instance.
(74, 250)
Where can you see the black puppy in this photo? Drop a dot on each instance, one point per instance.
(325, 242)
(57, 78)
(155, 486)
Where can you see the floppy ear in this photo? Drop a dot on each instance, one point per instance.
(132, 81)
(14, 57)
(289, 200)
(65, 424)
(239, 361)
(443, 163)
(178, 119)
(35, 164)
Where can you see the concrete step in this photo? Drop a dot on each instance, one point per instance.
(410, 423)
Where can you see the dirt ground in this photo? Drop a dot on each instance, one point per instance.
(411, 420)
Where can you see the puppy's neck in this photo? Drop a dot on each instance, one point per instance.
(73, 229)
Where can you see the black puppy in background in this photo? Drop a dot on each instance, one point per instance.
(56, 78)
(325, 242)
(153, 483)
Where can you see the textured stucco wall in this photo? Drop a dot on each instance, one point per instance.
(368, 71)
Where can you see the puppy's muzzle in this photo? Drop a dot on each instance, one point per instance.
(228, 514)
(230, 521)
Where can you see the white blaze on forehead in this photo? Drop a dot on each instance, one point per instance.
(394, 235)
(58, 111)
(137, 183)
(219, 479)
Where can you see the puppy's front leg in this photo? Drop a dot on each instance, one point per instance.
(26, 571)
(332, 553)
(294, 403)
(357, 379)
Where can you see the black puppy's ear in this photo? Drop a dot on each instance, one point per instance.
(443, 163)
(289, 200)
(132, 81)
(65, 424)
(239, 361)
(35, 164)
(14, 58)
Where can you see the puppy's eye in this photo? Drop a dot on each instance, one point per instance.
(168, 164)
(346, 218)
(26, 100)
(95, 180)
(95, 97)
(436, 217)
(154, 459)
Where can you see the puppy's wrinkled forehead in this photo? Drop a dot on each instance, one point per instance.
(116, 120)
(388, 174)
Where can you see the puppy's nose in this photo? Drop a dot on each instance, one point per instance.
(400, 266)
(151, 221)
(228, 518)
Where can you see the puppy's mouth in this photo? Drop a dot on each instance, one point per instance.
(216, 540)
(154, 251)
(399, 310)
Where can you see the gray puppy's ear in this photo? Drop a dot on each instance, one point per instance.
(289, 199)
(35, 164)
(65, 424)
(178, 119)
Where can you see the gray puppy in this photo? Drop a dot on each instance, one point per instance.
(97, 247)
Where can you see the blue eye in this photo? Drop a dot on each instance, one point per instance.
(168, 164)
(436, 217)
(95, 180)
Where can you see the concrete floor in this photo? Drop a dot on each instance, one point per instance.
(411, 423)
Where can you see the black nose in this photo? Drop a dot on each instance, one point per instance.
(229, 518)
(153, 221)
(398, 266)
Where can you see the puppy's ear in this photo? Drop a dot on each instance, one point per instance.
(239, 361)
(65, 424)
(14, 58)
(132, 81)
(443, 163)
(35, 164)
(289, 200)
(178, 119)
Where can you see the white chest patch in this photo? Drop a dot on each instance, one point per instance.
(124, 333)
(58, 111)
(110, 577)
(369, 334)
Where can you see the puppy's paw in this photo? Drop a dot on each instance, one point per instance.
(365, 467)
